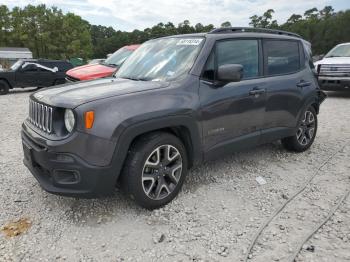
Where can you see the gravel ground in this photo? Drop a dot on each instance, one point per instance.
(214, 218)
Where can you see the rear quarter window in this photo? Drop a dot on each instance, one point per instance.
(281, 57)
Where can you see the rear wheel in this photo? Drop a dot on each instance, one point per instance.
(305, 134)
(155, 169)
(4, 87)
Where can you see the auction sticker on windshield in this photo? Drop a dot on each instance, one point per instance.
(190, 41)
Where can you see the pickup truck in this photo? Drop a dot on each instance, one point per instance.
(33, 72)
(334, 69)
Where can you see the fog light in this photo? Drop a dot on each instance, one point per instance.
(66, 176)
(64, 158)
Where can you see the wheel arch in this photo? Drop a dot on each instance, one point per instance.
(6, 81)
(183, 127)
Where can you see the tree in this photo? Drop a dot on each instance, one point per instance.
(226, 24)
(264, 21)
(4, 24)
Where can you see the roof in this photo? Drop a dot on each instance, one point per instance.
(14, 49)
(226, 30)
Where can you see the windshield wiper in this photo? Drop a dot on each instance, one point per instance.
(112, 64)
(136, 79)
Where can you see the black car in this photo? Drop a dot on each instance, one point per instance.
(32, 73)
(176, 102)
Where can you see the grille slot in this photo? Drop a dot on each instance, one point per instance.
(335, 70)
(40, 116)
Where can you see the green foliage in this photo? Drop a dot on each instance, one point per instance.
(226, 24)
(49, 33)
(264, 21)
(323, 28)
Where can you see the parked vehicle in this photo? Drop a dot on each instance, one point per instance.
(334, 69)
(105, 69)
(33, 72)
(96, 61)
(176, 102)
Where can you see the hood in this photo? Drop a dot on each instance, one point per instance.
(333, 61)
(89, 72)
(73, 95)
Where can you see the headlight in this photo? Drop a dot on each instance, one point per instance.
(69, 120)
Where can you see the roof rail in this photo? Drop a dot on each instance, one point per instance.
(224, 30)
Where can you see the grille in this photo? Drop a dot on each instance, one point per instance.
(335, 70)
(40, 116)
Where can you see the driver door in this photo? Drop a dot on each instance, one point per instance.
(27, 75)
(232, 113)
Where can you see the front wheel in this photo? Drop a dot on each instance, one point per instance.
(155, 169)
(305, 134)
(4, 87)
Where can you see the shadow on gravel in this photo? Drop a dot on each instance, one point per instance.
(338, 94)
(102, 210)
(22, 90)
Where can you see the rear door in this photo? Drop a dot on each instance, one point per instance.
(234, 111)
(285, 79)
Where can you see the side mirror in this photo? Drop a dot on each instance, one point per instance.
(230, 73)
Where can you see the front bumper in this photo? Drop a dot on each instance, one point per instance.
(66, 173)
(334, 83)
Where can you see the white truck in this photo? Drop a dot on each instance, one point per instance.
(334, 69)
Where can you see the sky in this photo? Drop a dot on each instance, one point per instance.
(127, 15)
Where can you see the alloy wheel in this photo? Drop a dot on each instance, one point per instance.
(161, 172)
(306, 129)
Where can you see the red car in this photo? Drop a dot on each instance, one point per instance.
(107, 68)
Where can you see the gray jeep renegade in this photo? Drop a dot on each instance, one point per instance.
(176, 102)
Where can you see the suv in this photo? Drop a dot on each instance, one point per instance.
(176, 102)
(105, 68)
(334, 69)
(33, 72)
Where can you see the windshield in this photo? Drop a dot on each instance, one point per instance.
(118, 57)
(16, 65)
(339, 51)
(161, 59)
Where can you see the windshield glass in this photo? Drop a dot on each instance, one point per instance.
(118, 57)
(16, 65)
(339, 51)
(161, 59)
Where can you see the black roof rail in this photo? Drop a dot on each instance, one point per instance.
(224, 30)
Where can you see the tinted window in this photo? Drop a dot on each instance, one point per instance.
(244, 52)
(29, 68)
(209, 70)
(281, 57)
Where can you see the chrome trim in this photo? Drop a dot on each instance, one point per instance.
(40, 116)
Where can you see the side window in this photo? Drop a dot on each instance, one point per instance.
(244, 52)
(29, 68)
(209, 69)
(281, 57)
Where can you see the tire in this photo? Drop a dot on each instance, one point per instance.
(149, 177)
(306, 132)
(4, 87)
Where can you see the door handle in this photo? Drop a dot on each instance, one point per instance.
(255, 92)
(303, 83)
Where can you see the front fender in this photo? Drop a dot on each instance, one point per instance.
(126, 133)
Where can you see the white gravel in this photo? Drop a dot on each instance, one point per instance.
(214, 218)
